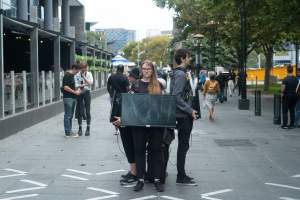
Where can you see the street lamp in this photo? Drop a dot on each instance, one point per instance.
(244, 103)
(198, 37)
(213, 26)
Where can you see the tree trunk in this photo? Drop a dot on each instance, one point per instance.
(269, 65)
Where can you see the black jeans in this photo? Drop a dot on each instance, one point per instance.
(154, 138)
(84, 107)
(184, 127)
(288, 105)
(128, 145)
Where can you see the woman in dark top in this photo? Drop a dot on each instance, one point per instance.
(151, 136)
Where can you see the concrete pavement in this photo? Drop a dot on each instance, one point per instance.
(238, 157)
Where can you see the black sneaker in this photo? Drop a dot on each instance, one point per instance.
(128, 180)
(126, 175)
(284, 127)
(158, 186)
(139, 186)
(87, 132)
(185, 181)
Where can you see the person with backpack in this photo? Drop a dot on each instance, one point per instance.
(210, 93)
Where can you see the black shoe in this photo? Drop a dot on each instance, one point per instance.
(139, 186)
(87, 132)
(158, 186)
(284, 127)
(291, 126)
(126, 175)
(80, 131)
(185, 181)
(128, 179)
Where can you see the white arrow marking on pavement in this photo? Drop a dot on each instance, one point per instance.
(110, 172)
(75, 177)
(296, 176)
(284, 186)
(101, 190)
(287, 198)
(21, 197)
(24, 190)
(79, 172)
(19, 173)
(104, 197)
(171, 198)
(207, 195)
(34, 183)
(143, 198)
(15, 170)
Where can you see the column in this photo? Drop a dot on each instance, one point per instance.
(49, 14)
(1, 69)
(34, 66)
(22, 10)
(72, 53)
(55, 8)
(65, 17)
(57, 68)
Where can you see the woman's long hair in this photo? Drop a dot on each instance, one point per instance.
(154, 87)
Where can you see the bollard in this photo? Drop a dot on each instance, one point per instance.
(277, 109)
(257, 111)
(225, 91)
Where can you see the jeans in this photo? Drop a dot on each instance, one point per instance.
(84, 107)
(69, 107)
(184, 127)
(297, 113)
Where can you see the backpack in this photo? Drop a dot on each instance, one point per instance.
(212, 86)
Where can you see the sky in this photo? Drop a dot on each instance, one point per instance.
(139, 15)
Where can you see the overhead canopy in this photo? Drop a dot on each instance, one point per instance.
(119, 60)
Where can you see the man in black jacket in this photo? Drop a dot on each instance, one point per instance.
(185, 115)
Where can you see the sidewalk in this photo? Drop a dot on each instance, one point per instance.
(238, 157)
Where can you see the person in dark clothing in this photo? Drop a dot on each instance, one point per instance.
(143, 135)
(222, 83)
(289, 98)
(70, 95)
(185, 115)
(116, 85)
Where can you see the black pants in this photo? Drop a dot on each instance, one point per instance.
(184, 127)
(127, 140)
(84, 107)
(288, 105)
(154, 138)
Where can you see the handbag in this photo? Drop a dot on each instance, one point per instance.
(115, 107)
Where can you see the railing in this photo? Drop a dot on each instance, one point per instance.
(18, 91)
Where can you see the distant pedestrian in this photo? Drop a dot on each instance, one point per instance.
(211, 90)
(70, 95)
(231, 81)
(222, 84)
(289, 98)
(297, 109)
(202, 79)
(84, 80)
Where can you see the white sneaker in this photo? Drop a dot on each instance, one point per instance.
(74, 135)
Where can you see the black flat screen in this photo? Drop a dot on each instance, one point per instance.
(148, 110)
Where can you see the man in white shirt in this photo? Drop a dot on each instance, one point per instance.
(84, 81)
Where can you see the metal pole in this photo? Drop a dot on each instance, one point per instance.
(51, 86)
(12, 87)
(24, 90)
(43, 88)
(1, 69)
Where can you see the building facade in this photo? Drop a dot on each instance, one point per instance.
(117, 38)
(38, 41)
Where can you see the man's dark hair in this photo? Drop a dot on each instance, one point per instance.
(290, 69)
(120, 69)
(75, 66)
(181, 53)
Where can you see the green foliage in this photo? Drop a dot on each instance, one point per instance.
(96, 39)
(94, 64)
(154, 49)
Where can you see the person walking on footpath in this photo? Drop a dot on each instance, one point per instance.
(116, 85)
(185, 115)
(70, 95)
(222, 83)
(231, 80)
(84, 79)
(210, 92)
(289, 98)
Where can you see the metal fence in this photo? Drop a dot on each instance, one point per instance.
(18, 91)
